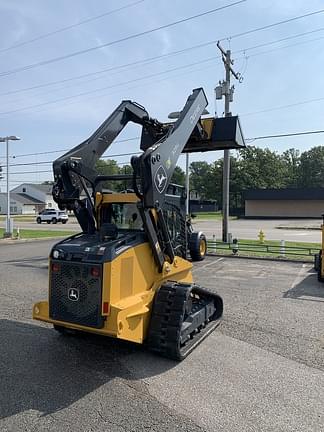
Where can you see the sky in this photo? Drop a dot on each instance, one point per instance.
(54, 105)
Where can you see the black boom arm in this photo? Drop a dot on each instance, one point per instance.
(79, 163)
(162, 144)
(156, 165)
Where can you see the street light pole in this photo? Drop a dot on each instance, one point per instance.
(8, 227)
(6, 139)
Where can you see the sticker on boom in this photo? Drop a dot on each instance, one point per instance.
(160, 179)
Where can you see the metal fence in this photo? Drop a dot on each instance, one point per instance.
(262, 249)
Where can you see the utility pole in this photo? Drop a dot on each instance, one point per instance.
(225, 89)
(187, 185)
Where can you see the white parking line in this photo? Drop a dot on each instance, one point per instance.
(299, 277)
(211, 263)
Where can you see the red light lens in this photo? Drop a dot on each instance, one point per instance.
(55, 267)
(105, 308)
(95, 272)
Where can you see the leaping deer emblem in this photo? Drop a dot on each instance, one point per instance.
(160, 179)
(73, 295)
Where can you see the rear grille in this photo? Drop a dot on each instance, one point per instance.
(75, 295)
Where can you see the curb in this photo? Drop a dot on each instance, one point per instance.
(299, 228)
(259, 258)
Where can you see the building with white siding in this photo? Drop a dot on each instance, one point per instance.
(28, 198)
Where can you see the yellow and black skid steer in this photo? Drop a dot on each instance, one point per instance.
(126, 275)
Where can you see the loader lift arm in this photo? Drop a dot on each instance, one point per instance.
(152, 170)
(79, 163)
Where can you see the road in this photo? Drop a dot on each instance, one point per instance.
(261, 370)
(240, 228)
(250, 228)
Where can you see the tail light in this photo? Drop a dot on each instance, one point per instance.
(55, 267)
(105, 308)
(95, 272)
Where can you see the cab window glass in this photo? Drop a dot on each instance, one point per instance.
(124, 215)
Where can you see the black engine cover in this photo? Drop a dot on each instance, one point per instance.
(75, 295)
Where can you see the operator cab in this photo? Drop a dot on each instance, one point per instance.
(125, 216)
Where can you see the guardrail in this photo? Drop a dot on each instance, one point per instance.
(262, 249)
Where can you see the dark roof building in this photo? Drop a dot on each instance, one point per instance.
(281, 203)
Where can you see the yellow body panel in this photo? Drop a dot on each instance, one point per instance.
(115, 198)
(103, 199)
(129, 284)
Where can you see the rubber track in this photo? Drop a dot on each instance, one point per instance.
(171, 305)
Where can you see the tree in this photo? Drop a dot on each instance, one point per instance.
(111, 167)
(236, 182)
(261, 168)
(108, 167)
(311, 168)
(291, 159)
(201, 180)
(179, 176)
(124, 184)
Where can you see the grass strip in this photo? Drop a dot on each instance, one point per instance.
(210, 216)
(34, 234)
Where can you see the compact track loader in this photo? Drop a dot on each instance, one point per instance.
(126, 275)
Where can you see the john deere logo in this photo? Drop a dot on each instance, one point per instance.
(160, 179)
(73, 294)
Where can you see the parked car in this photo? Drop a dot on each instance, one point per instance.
(52, 215)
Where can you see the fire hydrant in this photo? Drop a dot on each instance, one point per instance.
(261, 236)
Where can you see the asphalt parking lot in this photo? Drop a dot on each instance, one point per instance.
(261, 370)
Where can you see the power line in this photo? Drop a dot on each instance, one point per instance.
(126, 65)
(286, 46)
(65, 150)
(107, 87)
(62, 29)
(187, 49)
(185, 66)
(147, 77)
(181, 67)
(283, 106)
(271, 25)
(31, 172)
(156, 81)
(50, 162)
(285, 135)
(282, 40)
(51, 171)
(155, 58)
(136, 153)
(124, 39)
(5, 73)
